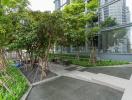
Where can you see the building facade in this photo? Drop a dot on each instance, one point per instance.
(114, 42)
(60, 4)
(118, 10)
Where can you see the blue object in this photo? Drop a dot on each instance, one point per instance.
(19, 64)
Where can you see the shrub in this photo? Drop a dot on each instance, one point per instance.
(16, 83)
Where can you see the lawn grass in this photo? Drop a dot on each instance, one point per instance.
(16, 83)
(84, 61)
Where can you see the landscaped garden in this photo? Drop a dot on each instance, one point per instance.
(84, 61)
(31, 36)
(12, 83)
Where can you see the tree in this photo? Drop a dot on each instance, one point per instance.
(109, 22)
(76, 21)
(7, 7)
(25, 37)
(49, 29)
(37, 34)
(6, 26)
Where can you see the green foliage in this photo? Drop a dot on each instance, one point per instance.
(17, 85)
(109, 22)
(77, 1)
(13, 4)
(74, 8)
(49, 28)
(84, 60)
(8, 19)
(76, 21)
(93, 5)
(24, 36)
(86, 63)
(10, 25)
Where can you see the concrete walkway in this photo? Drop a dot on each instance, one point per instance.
(128, 91)
(118, 78)
(122, 72)
(66, 88)
(97, 77)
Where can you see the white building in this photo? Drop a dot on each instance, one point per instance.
(118, 10)
(60, 4)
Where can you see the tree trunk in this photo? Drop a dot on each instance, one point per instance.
(31, 61)
(2, 60)
(26, 61)
(19, 54)
(45, 61)
(61, 52)
(54, 50)
(93, 55)
(78, 53)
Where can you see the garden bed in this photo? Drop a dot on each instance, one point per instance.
(34, 74)
(14, 84)
(85, 62)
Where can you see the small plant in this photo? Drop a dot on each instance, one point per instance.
(14, 84)
(83, 61)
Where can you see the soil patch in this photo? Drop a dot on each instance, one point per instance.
(34, 74)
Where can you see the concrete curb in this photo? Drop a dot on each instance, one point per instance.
(128, 91)
(46, 80)
(25, 78)
(29, 89)
(26, 94)
(124, 65)
(37, 83)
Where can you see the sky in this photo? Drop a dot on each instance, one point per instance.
(48, 5)
(42, 5)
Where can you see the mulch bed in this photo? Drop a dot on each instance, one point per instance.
(34, 74)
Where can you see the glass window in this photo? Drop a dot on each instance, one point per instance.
(63, 2)
(116, 41)
(121, 11)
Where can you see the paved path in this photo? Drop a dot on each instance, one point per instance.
(128, 91)
(115, 79)
(122, 72)
(65, 88)
(105, 75)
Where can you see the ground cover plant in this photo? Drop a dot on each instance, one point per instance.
(85, 62)
(12, 84)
